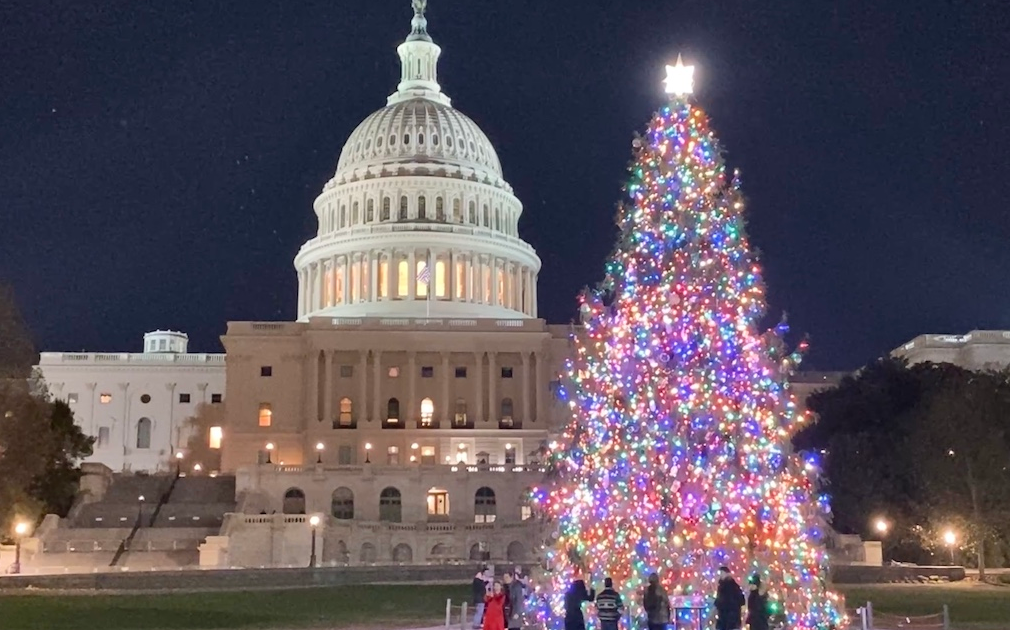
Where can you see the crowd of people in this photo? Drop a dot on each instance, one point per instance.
(500, 605)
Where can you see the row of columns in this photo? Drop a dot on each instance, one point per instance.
(325, 395)
(373, 276)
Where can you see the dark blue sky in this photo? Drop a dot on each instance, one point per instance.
(158, 160)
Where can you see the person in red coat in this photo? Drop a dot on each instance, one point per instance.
(494, 608)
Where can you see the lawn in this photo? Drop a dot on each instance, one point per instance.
(971, 605)
(358, 607)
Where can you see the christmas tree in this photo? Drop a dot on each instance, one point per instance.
(677, 459)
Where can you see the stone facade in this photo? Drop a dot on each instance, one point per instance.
(976, 350)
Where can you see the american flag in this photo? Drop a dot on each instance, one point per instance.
(424, 276)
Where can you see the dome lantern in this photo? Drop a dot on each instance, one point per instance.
(418, 62)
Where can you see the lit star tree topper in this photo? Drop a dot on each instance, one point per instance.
(677, 457)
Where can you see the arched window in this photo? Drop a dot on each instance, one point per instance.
(497, 219)
(390, 509)
(438, 503)
(368, 555)
(472, 212)
(144, 433)
(385, 209)
(427, 412)
(506, 412)
(402, 279)
(459, 416)
(346, 418)
(342, 504)
(370, 211)
(343, 215)
(441, 279)
(485, 508)
(487, 217)
(457, 210)
(355, 213)
(403, 554)
(294, 501)
(439, 209)
(393, 410)
(403, 208)
(422, 207)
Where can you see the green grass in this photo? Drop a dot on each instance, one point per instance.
(971, 605)
(395, 606)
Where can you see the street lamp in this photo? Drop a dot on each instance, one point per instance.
(413, 452)
(319, 452)
(368, 452)
(270, 450)
(314, 523)
(20, 529)
(950, 538)
(140, 510)
(881, 526)
(178, 463)
(197, 467)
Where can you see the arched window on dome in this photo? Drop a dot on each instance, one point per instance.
(403, 208)
(434, 139)
(422, 207)
(392, 139)
(497, 218)
(457, 210)
(441, 279)
(473, 212)
(439, 209)
(355, 213)
(385, 209)
(487, 217)
(421, 290)
(402, 279)
(420, 138)
(448, 142)
(342, 223)
(370, 211)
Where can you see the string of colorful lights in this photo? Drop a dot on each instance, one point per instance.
(677, 458)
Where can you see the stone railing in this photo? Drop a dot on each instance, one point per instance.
(386, 323)
(383, 469)
(106, 358)
(234, 521)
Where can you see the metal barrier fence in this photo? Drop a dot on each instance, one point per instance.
(869, 620)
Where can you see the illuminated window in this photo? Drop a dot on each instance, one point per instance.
(338, 295)
(428, 455)
(402, 279)
(216, 435)
(462, 454)
(439, 209)
(526, 507)
(393, 455)
(460, 280)
(394, 372)
(384, 279)
(487, 282)
(501, 285)
(427, 412)
(485, 507)
(422, 210)
(365, 280)
(105, 398)
(438, 502)
(422, 285)
(459, 417)
(346, 412)
(355, 281)
(266, 415)
(440, 279)
(510, 455)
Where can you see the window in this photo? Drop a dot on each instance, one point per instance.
(457, 211)
(402, 279)
(472, 207)
(510, 455)
(485, 507)
(216, 435)
(393, 410)
(506, 411)
(438, 502)
(384, 279)
(403, 208)
(441, 279)
(294, 501)
(342, 504)
(506, 372)
(461, 372)
(71, 398)
(428, 455)
(144, 433)
(385, 209)
(427, 412)
(393, 456)
(427, 371)
(346, 409)
(394, 372)
(346, 371)
(439, 209)
(266, 370)
(266, 416)
(355, 214)
(105, 398)
(462, 454)
(389, 505)
(345, 455)
(422, 210)
(146, 398)
(459, 418)
(215, 399)
(370, 211)
(103, 436)
(526, 507)
(184, 398)
(460, 280)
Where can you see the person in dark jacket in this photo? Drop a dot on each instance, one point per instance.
(729, 601)
(515, 596)
(757, 604)
(577, 595)
(609, 606)
(656, 603)
(480, 587)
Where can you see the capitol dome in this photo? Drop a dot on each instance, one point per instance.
(418, 220)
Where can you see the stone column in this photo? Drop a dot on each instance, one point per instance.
(333, 281)
(377, 376)
(539, 385)
(533, 291)
(526, 388)
(329, 384)
(478, 387)
(450, 274)
(373, 279)
(345, 277)
(446, 401)
(412, 389)
(301, 292)
(493, 264)
(492, 382)
(314, 392)
(412, 275)
(509, 294)
(364, 380)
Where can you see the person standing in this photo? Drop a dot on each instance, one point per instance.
(494, 608)
(609, 606)
(515, 595)
(480, 588)
(757, 604)
(656, 603)
(577, 595)
(729, 601)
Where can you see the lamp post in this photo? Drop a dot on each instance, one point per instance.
(413, 452)
(270, 450)
(197, 467)
(314, 523)
(319, 452)
(368, 452)
(950, 538)
(140, 510)
(20, 529)
(178, 463)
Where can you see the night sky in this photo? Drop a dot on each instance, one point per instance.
(158, 160)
